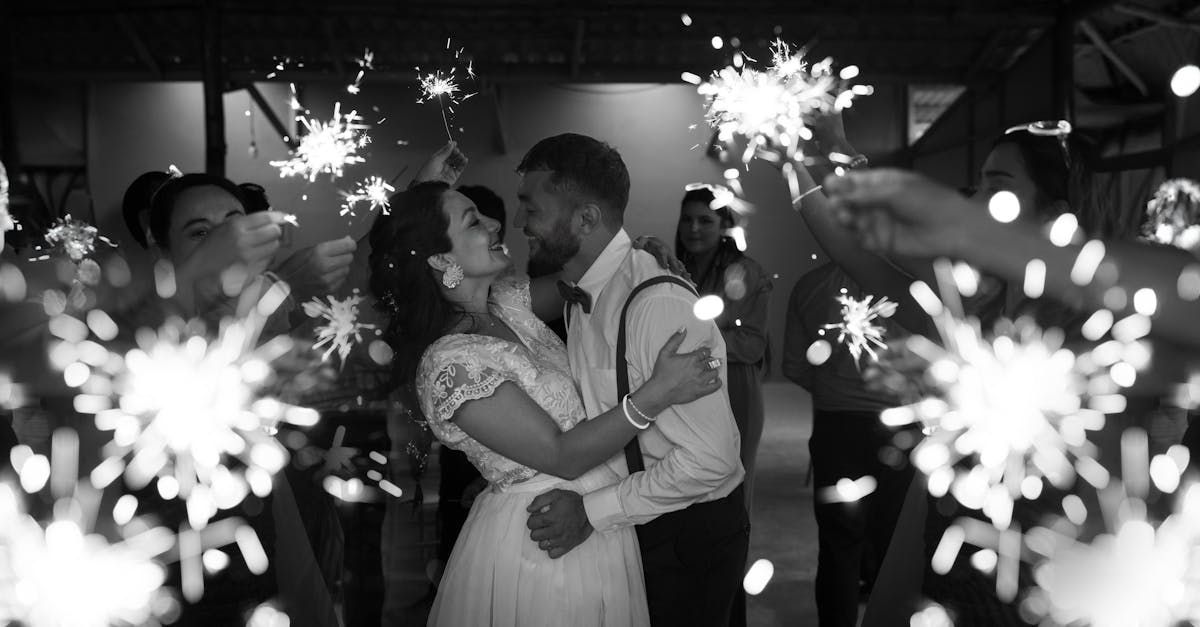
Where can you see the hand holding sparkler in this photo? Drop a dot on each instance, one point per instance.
(896, 211)
(320, 269)
(905, 213)
(445, 165)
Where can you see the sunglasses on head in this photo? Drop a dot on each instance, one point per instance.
(1060, 129)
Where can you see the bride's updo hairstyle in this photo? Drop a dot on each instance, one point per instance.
(404, 286)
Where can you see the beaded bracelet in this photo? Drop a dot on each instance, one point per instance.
(625, 410)
(637, 411)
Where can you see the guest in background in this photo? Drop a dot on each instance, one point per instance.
(848, 442)
(712, 257)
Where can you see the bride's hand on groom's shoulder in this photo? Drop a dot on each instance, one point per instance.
(558, 522)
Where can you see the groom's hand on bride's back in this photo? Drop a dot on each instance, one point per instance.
(558, 522)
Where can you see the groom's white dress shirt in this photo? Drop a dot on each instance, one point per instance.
(692, 452)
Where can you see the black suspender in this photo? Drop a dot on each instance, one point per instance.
(633, 452)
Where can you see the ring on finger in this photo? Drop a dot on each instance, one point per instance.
(713, 363)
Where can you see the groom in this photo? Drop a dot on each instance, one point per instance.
(687, 504)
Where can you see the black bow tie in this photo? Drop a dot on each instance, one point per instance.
(575, 295)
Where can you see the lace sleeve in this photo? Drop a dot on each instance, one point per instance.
(452, 373)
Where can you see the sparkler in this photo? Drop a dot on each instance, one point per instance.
(60, 575)
(328, 147)
(1007, 412)
(74, 238)
(1139, 571)
(7, 222)
(343, 329)
(775, 109)
(374, 190)
(858, 330)
(366, 62)
(185, 411)
(443, 87)
(1173, 215)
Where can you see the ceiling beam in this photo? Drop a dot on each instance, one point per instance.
(269, 113)
(1157, 17)
(1097, 40)
(139, 45)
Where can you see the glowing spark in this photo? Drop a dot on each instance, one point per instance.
(1008, 408)
(74, 238)
(366, 62)
(857, 329)
(328, 147)
(443, 87)
(758, 577)
(1173, 215)
(374, 190)
(7, 222)
(1137, 571)
(774, 109)
(708, 307)
(723, 196)
(848, 490)
(343, 330)
(182, 408)
(58, 575)
(1185, 81)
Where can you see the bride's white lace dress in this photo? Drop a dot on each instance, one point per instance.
(497, 575)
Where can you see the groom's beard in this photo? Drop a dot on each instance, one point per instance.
(555, 249)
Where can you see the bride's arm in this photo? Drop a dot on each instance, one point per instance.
(510, 423)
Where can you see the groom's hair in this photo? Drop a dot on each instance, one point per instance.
(583, 167)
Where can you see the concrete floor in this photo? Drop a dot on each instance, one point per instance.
(783, 528)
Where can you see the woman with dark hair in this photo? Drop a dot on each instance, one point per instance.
(184, 211)
(494, 382)
(1045, 169)
(711, 255)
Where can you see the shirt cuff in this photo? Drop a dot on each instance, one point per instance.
(603, 508)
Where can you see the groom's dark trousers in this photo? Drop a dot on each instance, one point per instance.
(694, 560)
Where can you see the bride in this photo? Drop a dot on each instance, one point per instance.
(493, 382)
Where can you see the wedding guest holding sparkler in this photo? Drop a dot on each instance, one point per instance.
(313, 271)
(848, 442)
(710, 253)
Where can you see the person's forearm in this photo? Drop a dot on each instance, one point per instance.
(1006, 249)
(592, 442)
(874, 275)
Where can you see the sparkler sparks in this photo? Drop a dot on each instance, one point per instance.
(858, 330)
(774, 109)
(373, 190)
(7, 223)
(182, 409)
(343, 330)
(1173, 215)
(1013, 409)
(443, 87)
(328, 147)
(1139, 572)
(58, 575)
(75, 238)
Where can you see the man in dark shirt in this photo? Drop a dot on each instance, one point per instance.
(848, 442)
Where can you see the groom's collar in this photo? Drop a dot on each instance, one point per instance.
(605, 266)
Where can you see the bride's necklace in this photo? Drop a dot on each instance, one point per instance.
(485, 320)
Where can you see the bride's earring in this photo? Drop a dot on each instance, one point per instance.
(452, 276)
